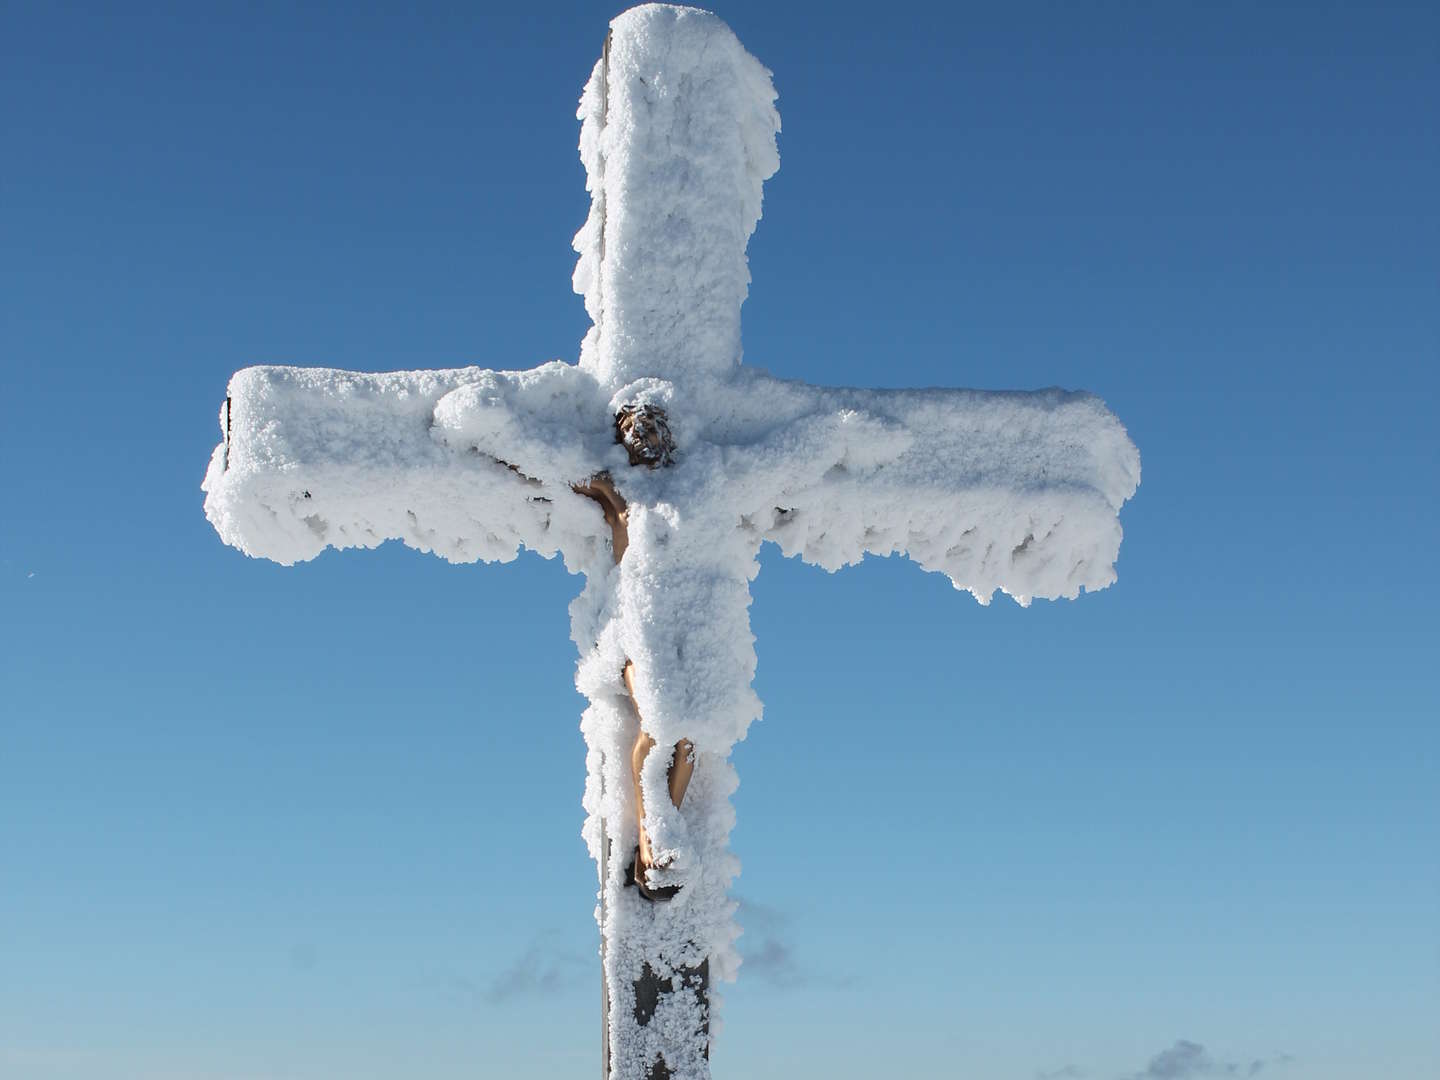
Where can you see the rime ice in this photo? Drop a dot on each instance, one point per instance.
(1016, 492)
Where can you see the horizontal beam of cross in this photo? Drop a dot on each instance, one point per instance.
(1011, 491)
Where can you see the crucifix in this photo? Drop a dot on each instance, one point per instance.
(656, 467)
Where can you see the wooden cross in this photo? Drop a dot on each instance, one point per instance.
(657, 467)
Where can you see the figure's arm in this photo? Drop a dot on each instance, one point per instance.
(466, 463)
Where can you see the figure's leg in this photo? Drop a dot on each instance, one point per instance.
(682, 767)
(601, 488)
(678, 779)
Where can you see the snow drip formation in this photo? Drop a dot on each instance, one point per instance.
(1017, 492)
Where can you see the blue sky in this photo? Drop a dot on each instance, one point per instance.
(267, 824)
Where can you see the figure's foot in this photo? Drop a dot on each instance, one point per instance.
(636, 877)
(645, 854)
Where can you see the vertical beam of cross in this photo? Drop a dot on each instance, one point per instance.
(646, 436)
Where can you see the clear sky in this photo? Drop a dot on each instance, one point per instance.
(270, 824)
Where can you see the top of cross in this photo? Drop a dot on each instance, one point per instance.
(677, 135)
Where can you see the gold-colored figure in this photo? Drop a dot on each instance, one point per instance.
(646, 436)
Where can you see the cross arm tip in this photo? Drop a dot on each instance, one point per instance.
(1016, 492)
(312, 458)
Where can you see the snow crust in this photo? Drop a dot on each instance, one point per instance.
(1015, 492)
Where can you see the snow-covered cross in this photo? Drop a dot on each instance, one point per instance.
(656, 468)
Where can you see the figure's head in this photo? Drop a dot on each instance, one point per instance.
(645, 434)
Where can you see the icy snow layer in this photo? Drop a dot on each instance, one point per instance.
(1012, 491)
